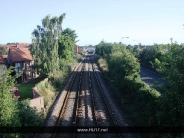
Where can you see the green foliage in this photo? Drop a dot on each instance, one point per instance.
(44, 46)
(79, 56)
(28, 116)
(8, 107)
(47, 90)
(166, 109)
(3, 50)
(135, 50)
(66, 48)
(145, 105)
(71, 33)
(51, 47)
(105, 49)
(14, 113)
(57, 79)
(123, 68)
(172, 65)
(155, 52)
(102, 63)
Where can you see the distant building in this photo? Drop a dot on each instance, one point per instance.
(77, 49)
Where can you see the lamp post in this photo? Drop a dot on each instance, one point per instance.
(122, 38)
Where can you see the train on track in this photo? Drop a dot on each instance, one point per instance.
(90, 51)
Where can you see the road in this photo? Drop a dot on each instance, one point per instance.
(149, 77)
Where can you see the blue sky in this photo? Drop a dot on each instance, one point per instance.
(147, 21)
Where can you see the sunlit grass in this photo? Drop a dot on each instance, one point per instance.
(25, 90)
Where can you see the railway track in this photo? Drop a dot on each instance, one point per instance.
(85, 106)
(68, 110)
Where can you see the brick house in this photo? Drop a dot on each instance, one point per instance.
(21, 58)
(77, 49)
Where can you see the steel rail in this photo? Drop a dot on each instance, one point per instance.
(65, 100)
(93, 101)
(76, 106)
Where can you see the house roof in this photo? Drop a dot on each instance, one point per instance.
(3, 59)
(20, 54)
(19, 45)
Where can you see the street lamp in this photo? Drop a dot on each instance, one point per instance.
(122, 38)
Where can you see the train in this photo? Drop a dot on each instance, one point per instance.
(90, 51)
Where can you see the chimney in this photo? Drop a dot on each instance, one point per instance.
(17, 45)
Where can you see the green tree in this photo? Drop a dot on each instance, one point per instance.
(172, 65)
(71, 33)
(123, 66)
(45, 44)
(9, 106)
(155, 52)
(66, 48)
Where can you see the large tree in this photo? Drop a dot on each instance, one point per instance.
(172, 65)
(71, 33)
(155, 52)
(45, 44)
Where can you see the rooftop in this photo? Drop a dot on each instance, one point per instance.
(20, 54)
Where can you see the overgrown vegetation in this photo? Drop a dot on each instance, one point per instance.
(53, 52)
(145, 105)
(123, 69)
(46, 89)
(14, 113)
(155, 52)
(172, 65)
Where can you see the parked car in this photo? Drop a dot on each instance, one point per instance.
(15, 92)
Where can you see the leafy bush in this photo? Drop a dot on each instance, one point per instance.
(48, 91)
(79, 56)
(123, 68)
(103, 65)
(28, 116)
